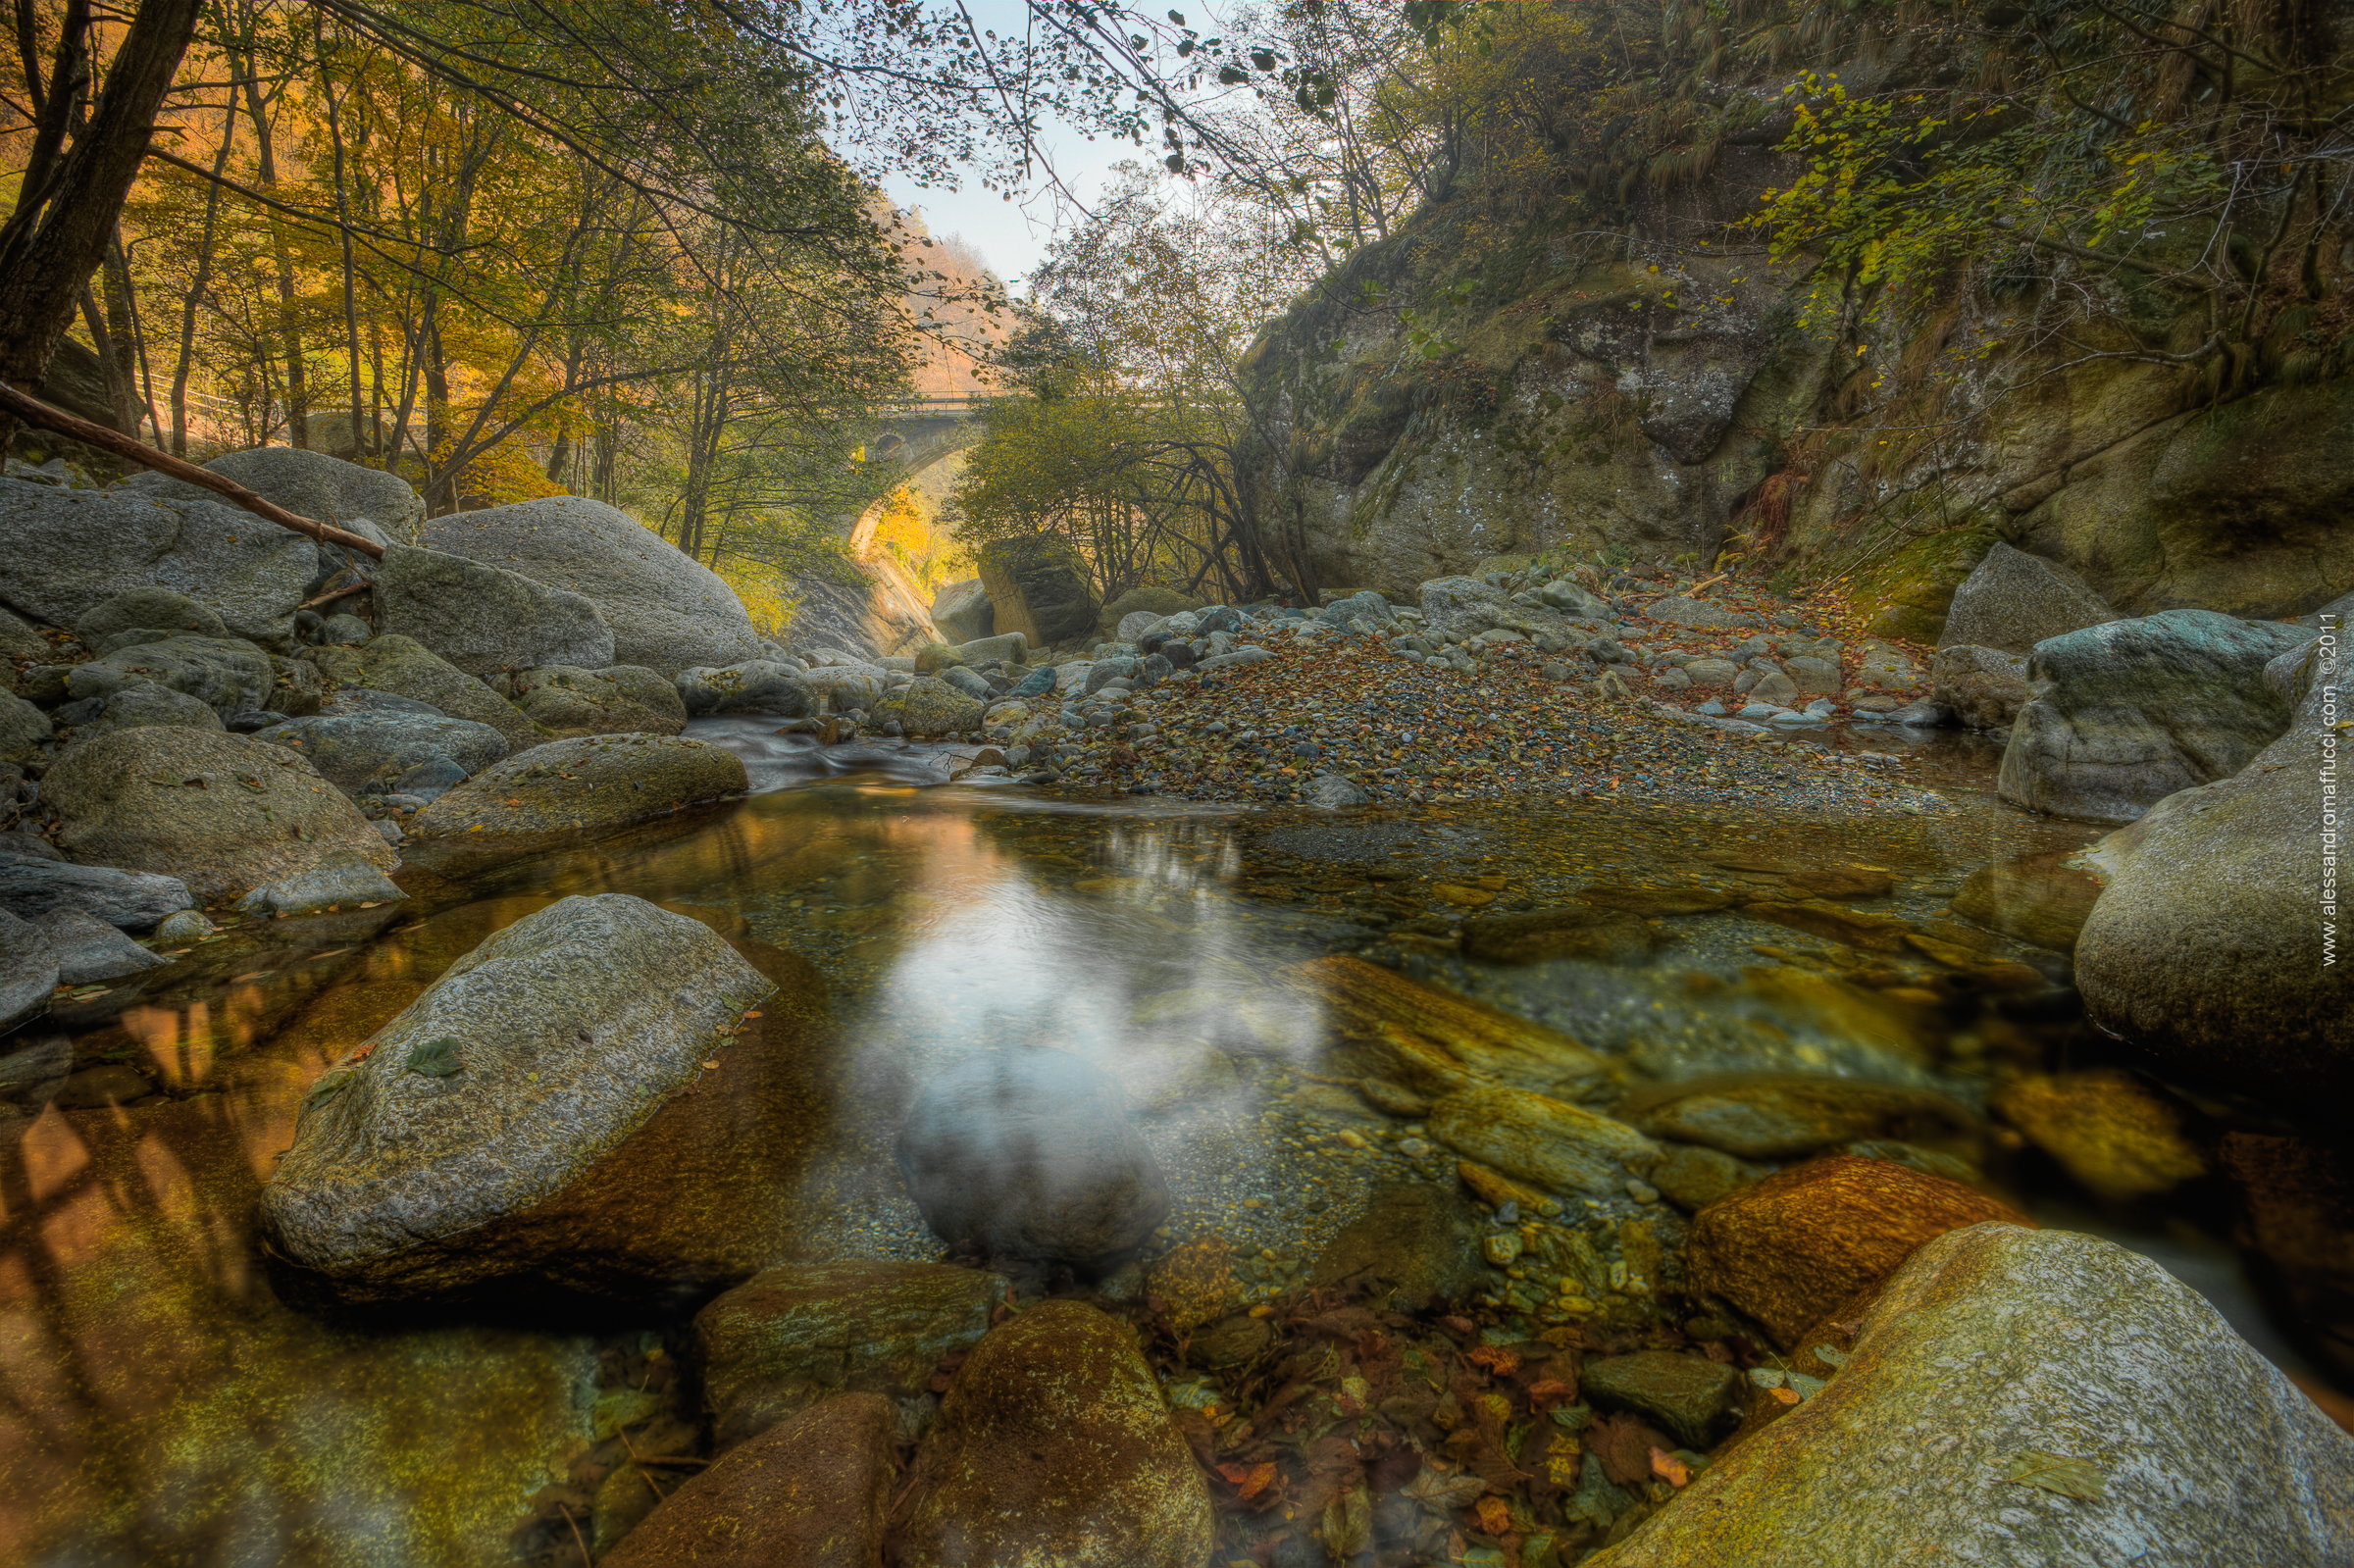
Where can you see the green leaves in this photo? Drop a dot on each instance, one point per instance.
(435, 1058)
(2060, 1474)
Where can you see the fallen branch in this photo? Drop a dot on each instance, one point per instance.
(32, 411)
(332, 595)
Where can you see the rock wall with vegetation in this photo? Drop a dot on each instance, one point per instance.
(1855, 295)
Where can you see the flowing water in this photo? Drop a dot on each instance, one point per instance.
(159, 1403)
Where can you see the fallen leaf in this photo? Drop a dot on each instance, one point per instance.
(2057, 1472)
(1347, 1525)
(1251, 1479)
(1785, 1396)
(712, 1064)
(1495, 1358)
(1495, 1515)
(1551, 1391)
(1441, 1493)
(1668, 1468)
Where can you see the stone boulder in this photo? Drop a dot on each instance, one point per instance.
(371, 753)
(90, 949)
(406, 668)
(1463, 607)
(1699, 615)
(2019, 1396)
(1039, 588)
(148, 609)
(930, 706)
(226, 674)
(1056, 1447)
(775, 690)
(23, 728)
(845, 686)
(790, 1336)
(1791, 1248)
(312, 485)
(814, 1492)
(1010, 647)
(626, 699)
(1363, 608)
(225, 812)
(341, 881)
(1149, 600)
(1031, 1155)
(2205, 946)
(2128, 713)
(594, 784)
(2013, 600)
(1982, 688)
(483, 620)
(54, 567)
(33, 886)
(29, 970)
(667, 612)
(525, 1119)
(962, 611)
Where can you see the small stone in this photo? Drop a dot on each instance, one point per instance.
(1500, 1247)
(1642, 1191)
(1689, 1395)
(179, 930)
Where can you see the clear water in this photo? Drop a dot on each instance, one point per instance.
(160, 1404)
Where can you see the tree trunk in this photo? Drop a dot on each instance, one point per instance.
(201, 282)
(59, 232)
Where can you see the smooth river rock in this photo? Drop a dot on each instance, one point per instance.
(2128, 713)
(308, 483)
(626, 700)
(757, 685)
(593, 783)
(2025, 1398)
(226, 676)
(791, 1335)
(32, 886)
(483, 620)
(29, 970)
(666, 612)
(406, 668)
(528, 1117)
(1055, 1450)
(2205, 946)
(370, 753)
(224, 813)
(91, 949)
(1031, 1155)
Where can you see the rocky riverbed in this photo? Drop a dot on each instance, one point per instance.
(1555, 1073)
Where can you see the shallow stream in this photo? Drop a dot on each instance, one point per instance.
(159, 1403)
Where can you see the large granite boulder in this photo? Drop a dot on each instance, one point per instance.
(312, 485)
(1983, 689)
(483, 620)
(2127, 713)
(371, 753)
(930, 706)
(225, 813)
(1030, 1155)
(62, 553)
(2012, 601)
(527, 1118)
(626, 699)
(406, 668)
(814, 1492)
(224, 674)
(792, 1336)
(1039, 588)
(962, 611)
(148, 609)
(2020, 1397)
(33, 885)
(667, 612)
(1056, 1447)
(757, 685)
(592, 783)
(89, 950)
(2207, 947)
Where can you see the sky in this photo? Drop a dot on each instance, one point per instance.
(1013, 235)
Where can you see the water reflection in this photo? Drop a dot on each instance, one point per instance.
(158, 1404)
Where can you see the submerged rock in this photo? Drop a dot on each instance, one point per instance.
(1690, 1396)
(1031, 1155)
(225, 812)
(2128, 713)
(1416, 1245)
(2043, 898)
(1055, 1446)
(812, 1492)
(2025, 1396)
(593, 783)
(1557, 1145)
(1767, 1116)
(1810, 1239)
(524, 1118)
(790, 1336)
(2106, 1128)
